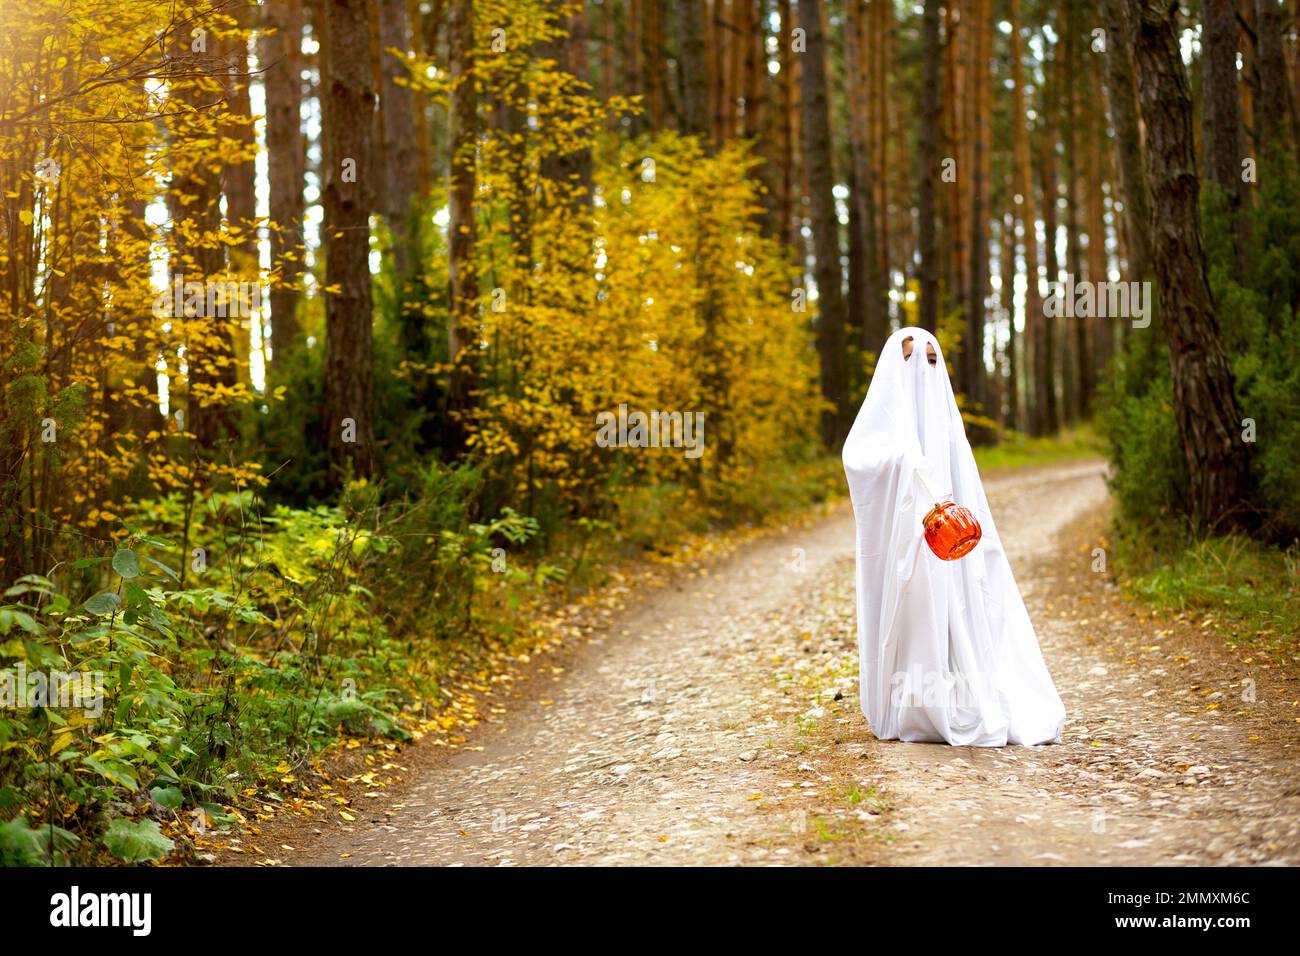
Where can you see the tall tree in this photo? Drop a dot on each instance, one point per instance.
(424, 30)
(1013, 418)
(280, 53)
(463, 278)
(953, 205)
(633, 74)
(928, 162)
(348, 389)
(818, 148)
(608, 41)
(760, 120)
(1220, 121)
(1022, 177)
(691, 23)
(1248, 43)
(981, 43)
(736, 34)
(1077, 374)
(1121, 100)
(787, 115)
(1102, 327)
(879, 58)
(754, 88)
(397, 120)
(569, 51)
(1274, 109)
(239, 175)
(875, 320)
(715, 33)
(1205, 403)
(1047, 178)
(194, 207)
(654, 71)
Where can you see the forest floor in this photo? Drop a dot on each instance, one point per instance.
(716, 721)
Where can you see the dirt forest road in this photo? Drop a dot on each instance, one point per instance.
(716, 722)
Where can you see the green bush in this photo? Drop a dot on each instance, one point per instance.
(1148, 471)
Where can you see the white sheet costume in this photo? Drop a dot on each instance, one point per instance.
(946, 648)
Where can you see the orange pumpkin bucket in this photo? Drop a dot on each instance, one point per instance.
(951, 531)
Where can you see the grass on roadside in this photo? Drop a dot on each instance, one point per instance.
(1248, 590)
(1018, 450)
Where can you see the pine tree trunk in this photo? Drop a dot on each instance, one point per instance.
(856, 305)
(1022, 176)
(655, 71)
(1121, 98)
(878, 54)
(760, 124)
(1220, 120)
(953, 205)
(831, 318)
(737, 34)
(573, 169)
(785, 111)
(1047, 178)
(717, 47)
(928, 168)
(980, 27)
(1205, 402)
(1078, 372)
(195, 198)
(608, 24)
(1274, 109)
(348, 391)
(286, 160)
(239, 183)
(633, 77)
(397, 115)
(755, 88)
(691, 24)
(1248, 43)
(420, 33)
(874, 319)
(1098, 264)
(463, 135)
(956, 44)
(1013, 418)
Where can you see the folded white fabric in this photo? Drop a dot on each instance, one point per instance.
(946, 648)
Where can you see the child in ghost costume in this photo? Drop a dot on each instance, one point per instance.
(946, 649)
